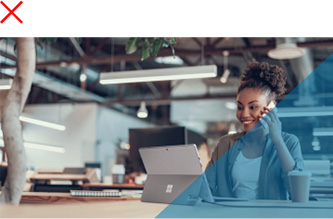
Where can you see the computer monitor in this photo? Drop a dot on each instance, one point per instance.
(148, 137)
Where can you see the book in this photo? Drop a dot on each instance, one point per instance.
(89, 193)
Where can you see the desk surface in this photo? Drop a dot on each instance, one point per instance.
(84, 210)
(136, 208)
(62, 198)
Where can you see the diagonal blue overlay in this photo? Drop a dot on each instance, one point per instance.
(307, 113)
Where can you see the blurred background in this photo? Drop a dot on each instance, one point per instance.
(97, 118)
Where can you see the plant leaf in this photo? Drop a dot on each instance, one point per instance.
(132, 45)
(145, 52)
(172, 41)
(40, 44)
(53, 40)
(15, 49)
(78, 40)
(173, 50)
(157, 44)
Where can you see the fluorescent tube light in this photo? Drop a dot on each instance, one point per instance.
(40, 147)
(322, 132)
(43, 123)
(6, 84)
(285, 112)
(164, 74)
(44, 147)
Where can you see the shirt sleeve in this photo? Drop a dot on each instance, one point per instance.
(212, 167)
(211, 170)
(294, 148)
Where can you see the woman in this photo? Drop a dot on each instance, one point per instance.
(254, 164)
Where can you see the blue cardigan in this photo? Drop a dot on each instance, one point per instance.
(273, 182)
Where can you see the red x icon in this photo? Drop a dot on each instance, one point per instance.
(11, 12)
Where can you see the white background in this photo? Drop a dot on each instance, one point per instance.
(115, 18)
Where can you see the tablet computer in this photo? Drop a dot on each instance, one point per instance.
(175, 175)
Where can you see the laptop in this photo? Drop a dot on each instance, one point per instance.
(175, 175)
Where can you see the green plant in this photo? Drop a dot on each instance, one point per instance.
(149, 45)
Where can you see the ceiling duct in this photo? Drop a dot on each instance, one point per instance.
(302, 68)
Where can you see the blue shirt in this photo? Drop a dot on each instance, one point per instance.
(273, 182)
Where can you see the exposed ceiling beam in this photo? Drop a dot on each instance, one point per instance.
(167, 52)
(216, 42)
(77, 46)
(197, 41)
(187, 62)
(8, 56)
(150, 85)
(87, 44)
(98, 47)
(208, 41)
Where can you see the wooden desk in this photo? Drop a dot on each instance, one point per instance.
(62, 198)
(119, 209)
(136, 208)
(47, 175)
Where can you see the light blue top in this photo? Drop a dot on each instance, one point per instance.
(245, 175)
(273, 182)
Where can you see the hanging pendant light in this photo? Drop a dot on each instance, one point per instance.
(285, 49)
(142, 112)
(226, 71)
(315, 144)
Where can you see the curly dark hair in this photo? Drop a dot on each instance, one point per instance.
(270, 79)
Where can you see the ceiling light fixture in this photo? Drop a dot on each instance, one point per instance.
(285, 112)
(163, 74)
(322, 132)
(285, 49)
(6, 84)
(231, 105)
(315, 144)
(169, 60)
(142, 112)
(39, 147)
(226, 71)
(43, 123)
(83, 77)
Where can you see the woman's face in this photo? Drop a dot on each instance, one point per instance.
(250, 102)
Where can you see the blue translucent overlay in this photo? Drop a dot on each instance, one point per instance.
(306, 114)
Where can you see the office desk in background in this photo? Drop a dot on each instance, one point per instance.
(136, 208)
(102, 186)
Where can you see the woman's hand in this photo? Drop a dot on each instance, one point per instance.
(274, 124)
(275, 131)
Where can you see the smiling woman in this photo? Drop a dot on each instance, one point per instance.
(249, 104)
(253, 164)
